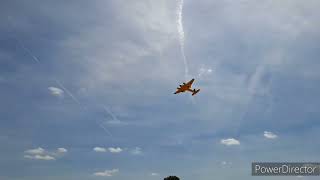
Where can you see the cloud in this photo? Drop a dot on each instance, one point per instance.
(62, 150)
(154, 174)
(269, 135)
(225, 163)
(99, 149)
(230, 142)
(38, 150)
(115, 150)
(41, 154)
(136, 151)
(107, 173)
(204, 71)
(40, 157)
(56, 91)
(111, 149)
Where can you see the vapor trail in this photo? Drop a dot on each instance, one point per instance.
(28, 51)
(20, 43)
(181, 37)
(69, 93)
(105, 129)
(181, 41)
(35, 58)
(110, 113)
(75, 99)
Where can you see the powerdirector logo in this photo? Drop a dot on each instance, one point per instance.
(285, 169)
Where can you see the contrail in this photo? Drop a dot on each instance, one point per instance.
(69, 93)
(105, 129)
(75, 99)
(181, 41)
(36, 59)
(20, 43)
(27, 50)
(110, 113)
(181, 37)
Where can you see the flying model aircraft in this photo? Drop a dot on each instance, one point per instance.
(187, 87)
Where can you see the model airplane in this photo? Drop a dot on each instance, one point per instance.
(187, 87)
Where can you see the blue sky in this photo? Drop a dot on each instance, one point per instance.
(87, 88)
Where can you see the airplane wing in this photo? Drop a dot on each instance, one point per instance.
(190, 83)
(179, 90)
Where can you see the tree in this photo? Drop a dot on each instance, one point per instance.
(172, 178)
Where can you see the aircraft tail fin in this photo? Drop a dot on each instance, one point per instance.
(195, 92)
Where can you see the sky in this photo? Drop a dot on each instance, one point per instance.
(87, 88)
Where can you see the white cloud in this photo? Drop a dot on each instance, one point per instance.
(230, 142)
(111, 149)
(56, 91)
(107, 173)
(269, 135)
(154, 174)
(225, 163)
(62, 150)
(204, 71)
(99, 149)
(40, 157)
(38, 150)
(115, 150)
(136, 151)
(42, 154)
